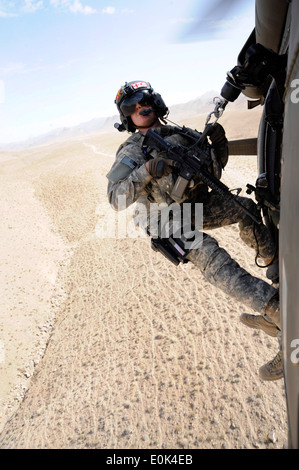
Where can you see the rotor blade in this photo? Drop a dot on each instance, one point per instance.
(243, 147)
(209, 18)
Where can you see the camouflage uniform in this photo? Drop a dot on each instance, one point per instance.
(214, 262)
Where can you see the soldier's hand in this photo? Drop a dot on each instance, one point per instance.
(219, 142)
(158, 167)
(216, 133)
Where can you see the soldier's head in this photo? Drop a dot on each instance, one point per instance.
(139, 106)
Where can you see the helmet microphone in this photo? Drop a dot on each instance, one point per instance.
(145, 112)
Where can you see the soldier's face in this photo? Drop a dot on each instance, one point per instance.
(144, 121)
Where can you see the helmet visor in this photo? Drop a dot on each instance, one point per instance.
(128, 105)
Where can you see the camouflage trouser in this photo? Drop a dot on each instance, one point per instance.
(217, 265)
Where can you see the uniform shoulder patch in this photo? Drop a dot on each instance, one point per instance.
(121, 169)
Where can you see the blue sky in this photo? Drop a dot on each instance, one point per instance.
(62, 61)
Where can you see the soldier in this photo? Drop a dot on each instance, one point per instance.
(145, 178)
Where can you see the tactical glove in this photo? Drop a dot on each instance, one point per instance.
(159, 167)
(216, 133)
(219, 142)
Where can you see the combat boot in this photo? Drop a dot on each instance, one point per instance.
(259, 322)
(273, 369)
(273, 310)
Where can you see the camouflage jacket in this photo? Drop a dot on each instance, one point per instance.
(129, 177)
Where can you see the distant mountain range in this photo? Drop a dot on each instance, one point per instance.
(200, 105)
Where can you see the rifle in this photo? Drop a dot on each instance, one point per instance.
(190, 167)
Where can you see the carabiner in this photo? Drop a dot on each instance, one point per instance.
(220, 104)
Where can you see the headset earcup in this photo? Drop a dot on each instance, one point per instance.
(127, 122)
(161, 108)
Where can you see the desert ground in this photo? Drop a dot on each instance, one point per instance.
(103, 342)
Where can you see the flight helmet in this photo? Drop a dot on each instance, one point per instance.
(137, 92)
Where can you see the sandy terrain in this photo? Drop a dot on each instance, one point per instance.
(103, 342)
